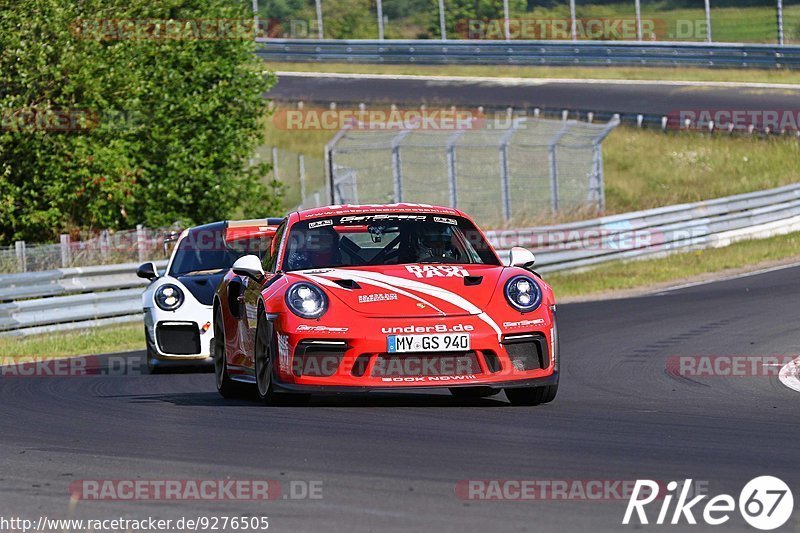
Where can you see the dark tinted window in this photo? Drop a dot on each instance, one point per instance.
(207, 251)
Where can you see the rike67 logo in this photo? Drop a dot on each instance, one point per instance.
(765, 503)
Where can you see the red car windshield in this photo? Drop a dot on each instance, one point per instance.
(385, 239)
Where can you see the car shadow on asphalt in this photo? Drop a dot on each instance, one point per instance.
(212, 399)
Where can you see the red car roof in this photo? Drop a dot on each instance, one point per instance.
(336, 210)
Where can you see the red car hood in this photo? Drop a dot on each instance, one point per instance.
(410, 290)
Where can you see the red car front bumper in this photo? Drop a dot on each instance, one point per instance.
(316, 357)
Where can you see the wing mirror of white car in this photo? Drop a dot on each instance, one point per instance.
(249, 266)
(147, 271)
(521, 257)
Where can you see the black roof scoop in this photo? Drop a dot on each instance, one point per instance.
(347, 284)
(473, 280)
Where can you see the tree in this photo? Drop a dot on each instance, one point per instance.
(118, 112)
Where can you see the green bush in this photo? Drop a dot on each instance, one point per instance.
(165, 127)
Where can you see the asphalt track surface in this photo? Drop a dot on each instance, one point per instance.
(650, 98)
(390, 462)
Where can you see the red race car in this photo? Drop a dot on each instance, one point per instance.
(359, 298)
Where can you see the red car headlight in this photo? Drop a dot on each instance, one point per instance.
(306, 300)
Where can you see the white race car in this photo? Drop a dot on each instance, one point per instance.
(178, 305)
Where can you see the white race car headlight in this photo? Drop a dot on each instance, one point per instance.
(523, 293)
(306, 300)
(169, 297)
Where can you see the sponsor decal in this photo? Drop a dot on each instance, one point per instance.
(445, 220)
(317, 271)
(418, 379)
(523, 323)
(437, 271)
(438, 328)
(381, 218)
(377, 297)
(304, 328)
(283, 353)
(320, 223)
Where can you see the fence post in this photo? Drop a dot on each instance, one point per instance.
(551, 156)
(442, 28)
(708, 21)
(397, 175)
(104, 245)
(141, 242)
(451, 168)
(301, 166)
(780, 22)
(66, 252)
(638, 9)
(573, 23)
(505, 189)
(506, 21)
(397, 170)
(320, 33)
(597, 161)
(22, 255)
(380, 19)
(330, 164)
(275, 163)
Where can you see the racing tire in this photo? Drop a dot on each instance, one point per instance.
(473, 392)
(532, 395)
(225, 385)
(266, 349)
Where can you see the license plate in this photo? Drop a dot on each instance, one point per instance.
(440, 342)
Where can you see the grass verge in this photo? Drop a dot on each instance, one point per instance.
(507, 71)
(620, 276)
(107, 339)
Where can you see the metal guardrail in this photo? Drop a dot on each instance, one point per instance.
(659, 231)
(556, 53)
(81, 297)
(70, 298)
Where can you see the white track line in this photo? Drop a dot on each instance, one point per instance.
(790, 375)
(538, 81)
